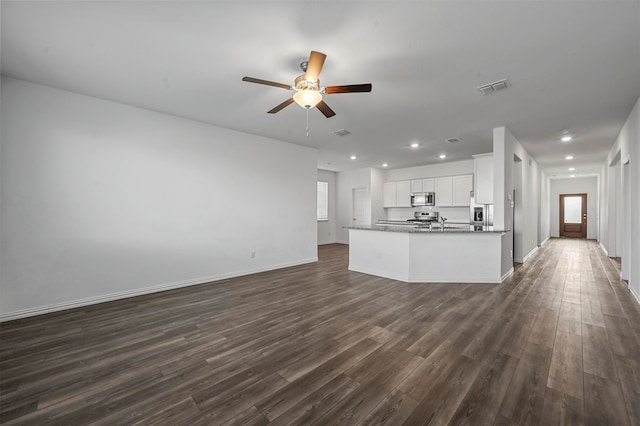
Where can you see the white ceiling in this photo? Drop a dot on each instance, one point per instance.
(571, 66)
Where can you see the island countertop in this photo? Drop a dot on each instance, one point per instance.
(424, 229)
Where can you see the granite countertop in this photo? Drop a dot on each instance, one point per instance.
(424, 229)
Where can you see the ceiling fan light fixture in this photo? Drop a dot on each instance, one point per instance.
(307, 98)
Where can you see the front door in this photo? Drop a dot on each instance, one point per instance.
(573, 215)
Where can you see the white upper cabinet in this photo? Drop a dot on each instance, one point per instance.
(416, 186)
(396, 194)
(462, 187)
(403, 193)
(428, 185)
(389, 192)
(444, 191)
(451, 191)
(422, 185)
(483, 167)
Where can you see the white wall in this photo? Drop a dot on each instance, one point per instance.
(544, 209)
(378, 178)
(621, 168)
(327, 228)
(102, 200)
(585, 185)
(505, 147)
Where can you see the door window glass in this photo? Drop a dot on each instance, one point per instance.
(572, 209)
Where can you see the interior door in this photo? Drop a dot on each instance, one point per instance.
(573, 215)
(359, 197)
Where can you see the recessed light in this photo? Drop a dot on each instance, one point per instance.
(566, 138)
(571, 169)
(443, 156)
(573, 175)
(415, 145)
(353, 157)
(385, 165)
(569, 157)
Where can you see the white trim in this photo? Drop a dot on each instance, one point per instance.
(141, 291)
(507, 274)
(531, 253)
(603, 249)
(635, 295)
(544, 241)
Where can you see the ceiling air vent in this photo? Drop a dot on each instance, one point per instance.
(453, 140)
(493, 87)
(341, 132)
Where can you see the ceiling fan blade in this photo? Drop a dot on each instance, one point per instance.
(324, 108)
(281, 106)
(266, 82)
(314, 66)
(350, 88)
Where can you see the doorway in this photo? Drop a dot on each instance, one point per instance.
(359, 207)
(573, 215)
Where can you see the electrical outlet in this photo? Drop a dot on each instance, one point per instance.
(253, 254)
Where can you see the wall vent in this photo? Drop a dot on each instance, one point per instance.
(341, 132)
(454, 140)
(493, 87)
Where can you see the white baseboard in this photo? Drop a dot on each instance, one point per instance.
(544, 241)
(603, 248)
(29, 312)
(507, 274)
(531, 253)
(637, 297)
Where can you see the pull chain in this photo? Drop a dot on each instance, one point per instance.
(307, 108)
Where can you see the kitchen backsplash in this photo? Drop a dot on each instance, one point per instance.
(453, 214)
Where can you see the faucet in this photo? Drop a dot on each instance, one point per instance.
(442, 219)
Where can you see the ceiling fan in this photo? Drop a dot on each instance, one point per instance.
(308, 93)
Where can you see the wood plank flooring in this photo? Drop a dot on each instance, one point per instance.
(556, 343)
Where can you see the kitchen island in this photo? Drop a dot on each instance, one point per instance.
(455, 254)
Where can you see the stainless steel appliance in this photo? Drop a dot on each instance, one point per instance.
(424, 217)
(423, 199)
(480, 214)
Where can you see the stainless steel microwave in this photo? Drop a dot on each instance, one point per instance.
(423, 199)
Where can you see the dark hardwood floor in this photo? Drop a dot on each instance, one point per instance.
(556, 343)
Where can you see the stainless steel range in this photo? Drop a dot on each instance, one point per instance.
(424, 217)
